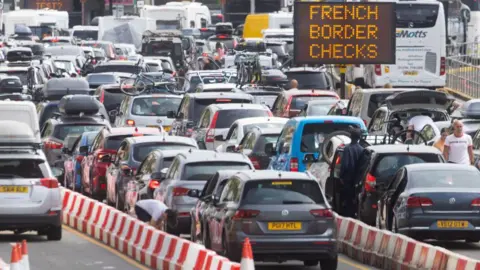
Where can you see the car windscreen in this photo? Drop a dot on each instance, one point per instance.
(155, 106)
(22, 75)
(204, 170)
(113, 142)
(264, 99)
(299, 102)
(309, 80)
(263, 140)
(99, 54)
(61, 131)
(444, 179)
(319, 109)
(416, 16)
(227, 117)
(141, 151)
(86, 34)
(228, 42)
(265, 125)
(118, 68)
(313, 135)
(200, 105)
(67, 65)
(21, 168)
(376, 100)
(388, 164)
(268, 192)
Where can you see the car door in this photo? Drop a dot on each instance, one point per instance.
(169, 178)
(333, 185)
(87, 161)
(384, 210)
(282, 148)
(205, 197)
(377, 123)
(132, 191)
(112, 172)
(69, 163)
(231, 139)
(201, 131)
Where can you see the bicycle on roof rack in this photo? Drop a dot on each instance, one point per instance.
(249, 69)
(141, 83)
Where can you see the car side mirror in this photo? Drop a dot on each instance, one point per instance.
(219, 138)
(163, 173)
(171, 114)
(106, 158)
(270, 150)
(84, 150)
(194, 193)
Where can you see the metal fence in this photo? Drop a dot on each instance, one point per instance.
(462, 68)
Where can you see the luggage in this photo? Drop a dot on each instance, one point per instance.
(76, 104)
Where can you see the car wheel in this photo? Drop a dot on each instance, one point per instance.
(54, 233)
(329, 264)
(471, 240)
(119, 205)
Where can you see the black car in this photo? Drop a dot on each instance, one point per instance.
(192, 106)
(253, 145)
(77, 114)
(382, 162)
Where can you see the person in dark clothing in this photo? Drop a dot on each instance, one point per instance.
(208, 64)
(352, 154)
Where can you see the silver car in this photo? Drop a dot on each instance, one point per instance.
(147, 111)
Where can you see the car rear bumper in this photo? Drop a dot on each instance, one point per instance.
(284, 249)
(441, 234)
(29, 221)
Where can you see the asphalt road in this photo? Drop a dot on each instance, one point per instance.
(471, 250)
(344, 263)
(73, 252)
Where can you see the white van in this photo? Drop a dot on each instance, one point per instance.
(21, 111)
(421, 48)
(178, 15)
(85, 32)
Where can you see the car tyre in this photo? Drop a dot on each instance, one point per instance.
(310, 263)
(329, 264)
(471, 240)
(54, 233)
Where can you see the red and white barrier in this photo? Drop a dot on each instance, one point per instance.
(386, 250)
(151, 247)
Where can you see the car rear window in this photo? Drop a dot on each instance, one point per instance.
(309, 80)
(376, 100)
(62, 131)
(444, 179)
(299, 102)
(267, 99)
(314, 134)
(204, 170)
(155, 106)
(282, 192)
(201, 104)
(142, 150)
(99, 79)
(167, 162)
(118, 68)
(113, 142)
(218, 90)
(389, 164)
(319, 109)
(227, 117)
(247, 128)
(22, 168)
(262, 141)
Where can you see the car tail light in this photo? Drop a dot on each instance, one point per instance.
(180, 191)
(255, 162)
(49, 182)
(103, 186)
(327, 213)
(337, 162)
(294, 164)
(242, 214)
(102, 96)
(203, 29)
(53, 145)
(378, 70)
(370, 183)
(211, 130)
(154, 184)
(365, 122)
(476, 202)
(286, 113)
(100, 156)
(413, 202)
(130, 122)
(442, 66)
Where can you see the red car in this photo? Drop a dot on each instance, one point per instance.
(103, 150)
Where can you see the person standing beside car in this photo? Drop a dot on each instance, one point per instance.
(458, 146)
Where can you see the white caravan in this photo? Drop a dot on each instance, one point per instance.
(34, 18)
(178, 15)
(125, 29)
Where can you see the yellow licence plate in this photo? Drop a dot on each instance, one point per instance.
(284, 226)
(13, 189)
(410, 73)
(167, 128)
(452, 224)
(150, 126)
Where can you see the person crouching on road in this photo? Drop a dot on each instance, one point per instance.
(155, 213)
(458, 146)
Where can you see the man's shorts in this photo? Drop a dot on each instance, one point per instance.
(142, 214)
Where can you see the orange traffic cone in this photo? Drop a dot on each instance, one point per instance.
(25, 261)
(247, 262)
(15, 258)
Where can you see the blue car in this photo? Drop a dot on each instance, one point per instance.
(302, 136)
(73, 169)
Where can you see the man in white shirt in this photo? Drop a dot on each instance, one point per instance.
(155, 213)
(458, 146)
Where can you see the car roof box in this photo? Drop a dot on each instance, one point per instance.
(14, 133)
(471, 109)
(78, 104)
(57, 88)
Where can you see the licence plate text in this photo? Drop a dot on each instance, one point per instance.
(452, 224)
(13, 189)
(284, 226)
(410, 73)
